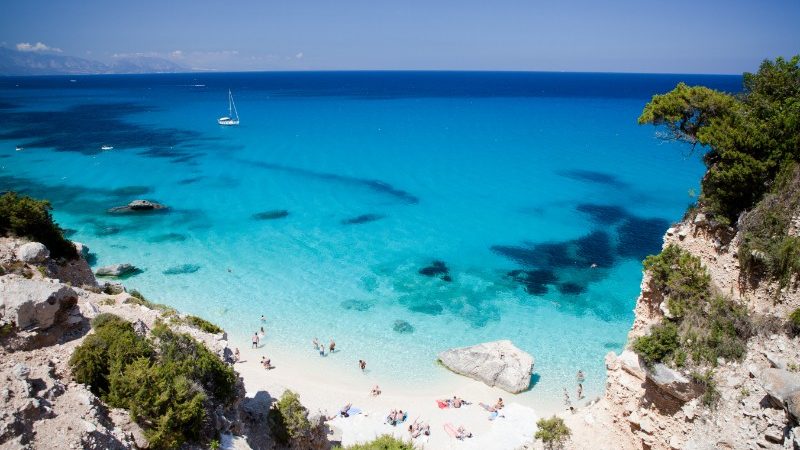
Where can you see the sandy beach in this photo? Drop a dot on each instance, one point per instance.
(325, 390)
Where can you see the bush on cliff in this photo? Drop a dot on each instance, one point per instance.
(203, 325)
(168, 383)
(704, 327)
(385, 442)
(27, 217)
(553, 432)
(794, 321)
(766, 247)
(288, 418)
(746, 139)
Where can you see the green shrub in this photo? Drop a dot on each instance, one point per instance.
(766, 248)
(704, 326)
(711, 394)
(137, 298)
(203, 324)
(794, 321)
(288, 418)
(6, 329)
(385, 442)
(30, 218)
(680, 277)
(167, 383)
(659, 345)
(553, 432)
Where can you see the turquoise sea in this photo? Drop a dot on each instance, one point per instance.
(337, 205)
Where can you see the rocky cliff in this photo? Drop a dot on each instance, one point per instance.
(754, 402)
(45, 311)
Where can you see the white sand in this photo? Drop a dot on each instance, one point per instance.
(325, 389)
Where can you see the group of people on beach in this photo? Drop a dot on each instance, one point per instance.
(418, 429)
(580, 378)
(320, 347)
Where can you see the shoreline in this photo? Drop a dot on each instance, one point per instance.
(324, 390)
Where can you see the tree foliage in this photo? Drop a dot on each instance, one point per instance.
(385, 442)
(167, 383)
(27, 217)
(747, 139)
(703, 326)
(553, 432)
(288, 418)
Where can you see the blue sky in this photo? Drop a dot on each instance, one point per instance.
(712, 36)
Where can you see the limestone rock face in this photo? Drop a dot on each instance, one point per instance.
(33, 302)
(673, 382)
(781, 385)
(116, 270)
(497, 363)
(793, 405)
(33, 252)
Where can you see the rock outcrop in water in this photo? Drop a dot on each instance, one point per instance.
(138, 206)
(497, 363)
(117, 270)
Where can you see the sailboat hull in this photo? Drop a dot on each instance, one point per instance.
(227, 121)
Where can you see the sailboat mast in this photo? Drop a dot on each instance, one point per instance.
(230, 103)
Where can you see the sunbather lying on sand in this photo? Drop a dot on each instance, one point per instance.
(419, 428)
(395, 417)
(462, 433)
(376, 391)
(343, 411)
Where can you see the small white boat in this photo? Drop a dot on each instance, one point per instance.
(106, 147)
(20, 148)
(233, 116)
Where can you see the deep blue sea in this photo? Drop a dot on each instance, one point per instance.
(401, 213)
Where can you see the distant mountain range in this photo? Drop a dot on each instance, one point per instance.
(13, 62)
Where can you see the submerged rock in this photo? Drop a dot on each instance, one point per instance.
(437, 269)
(138, 206)
(497, 363)
(168, 237)
(271, 214)
(117, 270)
(357, 305)
(33, 252)
(402, 327)
(182, 269)
(26, 302)
(364, 218)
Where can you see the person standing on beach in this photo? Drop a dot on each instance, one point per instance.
(580, 391)
(332, 346)
(315, 342)
(567, 402)
(580, 376)
(255, 340)
(236, 355)
(321, 350)
(362, 364)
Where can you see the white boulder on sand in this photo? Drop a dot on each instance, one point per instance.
(498, 364)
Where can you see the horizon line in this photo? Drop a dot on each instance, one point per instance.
(222, 72)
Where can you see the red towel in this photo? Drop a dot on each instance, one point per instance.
(442, 405)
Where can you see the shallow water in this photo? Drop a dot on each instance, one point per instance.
(537, 191)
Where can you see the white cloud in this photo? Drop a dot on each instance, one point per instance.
(299, 55)
(37, 47)
(176, 54)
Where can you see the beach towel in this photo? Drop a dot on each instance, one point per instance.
(351, 412)
(493, 415)
(442, 404)
(451, 430)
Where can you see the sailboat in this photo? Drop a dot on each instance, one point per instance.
(233, 117)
